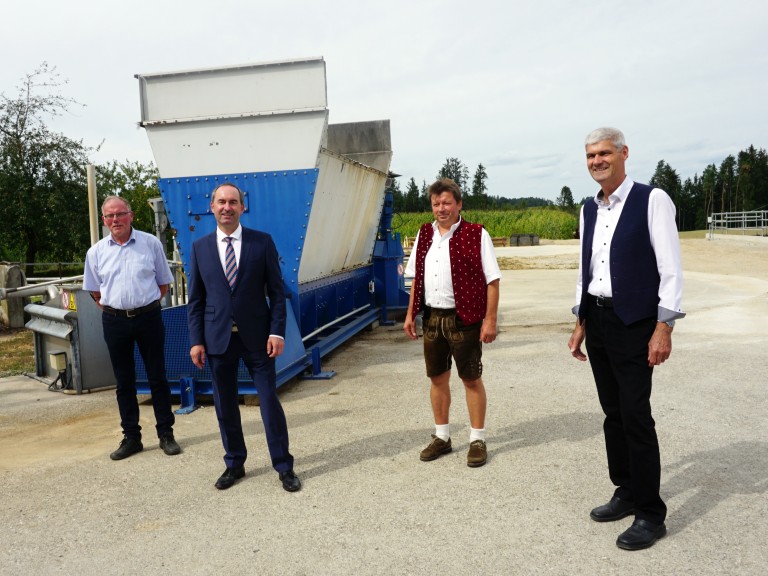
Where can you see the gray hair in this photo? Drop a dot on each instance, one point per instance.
(112, 197)
(614, 135)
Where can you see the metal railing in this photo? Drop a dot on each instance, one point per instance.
(753, 223)
(177, 293)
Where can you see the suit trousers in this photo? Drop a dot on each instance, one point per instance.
(226, 400)
(618, 355)
(148, 333)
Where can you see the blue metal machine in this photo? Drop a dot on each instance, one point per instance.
(318, 189)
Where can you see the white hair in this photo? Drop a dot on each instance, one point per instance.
(614, 135)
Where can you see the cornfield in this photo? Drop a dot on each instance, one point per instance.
(546, 223)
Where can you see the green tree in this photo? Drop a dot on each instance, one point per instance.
(456, 171)
(666, 178)
(708, 187)
(426, 203)
(752, 179)
(726, 184)
(137, 183)
(565, 200)
(43, 191)
(480, 198)
(134, 181)
(412, 197)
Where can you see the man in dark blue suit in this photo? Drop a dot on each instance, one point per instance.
(232, 270)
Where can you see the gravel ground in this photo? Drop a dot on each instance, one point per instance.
(369, 506)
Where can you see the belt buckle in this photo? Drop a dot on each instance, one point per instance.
(600, 301)
(130, 313)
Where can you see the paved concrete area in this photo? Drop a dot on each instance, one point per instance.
(369, 506)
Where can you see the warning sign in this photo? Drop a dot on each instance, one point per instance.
(68, 301)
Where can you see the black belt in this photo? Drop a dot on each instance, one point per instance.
(601, 301)
(133, 312)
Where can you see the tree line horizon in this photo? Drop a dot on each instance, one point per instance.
(738, 184)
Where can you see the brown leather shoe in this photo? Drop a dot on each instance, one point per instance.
(478, 454)
(436, 448)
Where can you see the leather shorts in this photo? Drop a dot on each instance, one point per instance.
(447, 338)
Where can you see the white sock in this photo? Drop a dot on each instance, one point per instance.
(443, 431)
(476, 434)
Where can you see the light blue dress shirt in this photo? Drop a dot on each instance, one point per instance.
(127, 275)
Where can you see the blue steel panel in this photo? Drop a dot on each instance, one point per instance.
(276, 202)
(322, 301)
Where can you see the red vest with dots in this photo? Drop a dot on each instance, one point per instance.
(470, 290)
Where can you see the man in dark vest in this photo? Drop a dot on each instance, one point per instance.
(456, 284)
(628, 296)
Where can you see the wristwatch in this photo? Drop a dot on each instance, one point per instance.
(670, 323)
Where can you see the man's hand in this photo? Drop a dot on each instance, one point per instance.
(575, 342)
(409, 326)
(488, 330)
(197, 353)
(275, 346)
(97, 298)
(660, 346)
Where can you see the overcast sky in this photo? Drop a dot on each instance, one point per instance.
(509, 84)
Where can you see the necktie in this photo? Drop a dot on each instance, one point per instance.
(230, 264)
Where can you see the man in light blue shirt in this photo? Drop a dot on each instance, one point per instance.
(127, 274)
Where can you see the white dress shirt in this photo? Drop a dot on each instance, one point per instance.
(438, 283)
(237, 244)
(664, 240)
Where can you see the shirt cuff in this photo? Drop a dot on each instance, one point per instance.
(667, 315)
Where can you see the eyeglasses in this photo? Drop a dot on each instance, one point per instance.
(115, 215)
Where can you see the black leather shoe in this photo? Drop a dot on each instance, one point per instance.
(616, 509)
(230, 476)
(290, 481)
(128, 447)
(169, 445)
(642, 534)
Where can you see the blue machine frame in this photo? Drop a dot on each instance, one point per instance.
(317, 188)
(323, 313)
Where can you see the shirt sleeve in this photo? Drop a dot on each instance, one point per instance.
(488, 258)
(666, 245)
(162, 270)
(580, 277)
(91, 280)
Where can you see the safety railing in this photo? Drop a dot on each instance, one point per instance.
(753, 223)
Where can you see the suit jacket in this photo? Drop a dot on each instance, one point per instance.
(213, 308)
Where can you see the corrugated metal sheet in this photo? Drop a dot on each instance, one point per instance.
(344, 220)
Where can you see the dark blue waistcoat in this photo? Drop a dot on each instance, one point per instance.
(634, 272)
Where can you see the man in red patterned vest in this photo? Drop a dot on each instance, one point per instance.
(456, 285)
